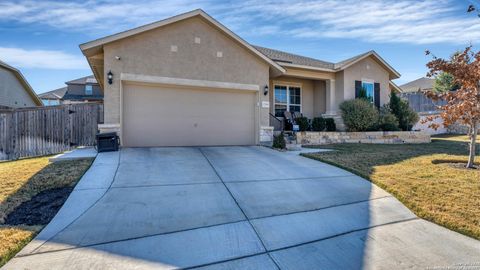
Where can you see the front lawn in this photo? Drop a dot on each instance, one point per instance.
(31, 192)
(427, 178)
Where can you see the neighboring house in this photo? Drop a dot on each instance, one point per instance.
(54, 97)
(188, 80)
(419, 85)
(15, 91)
(85, 89)
(414, 92)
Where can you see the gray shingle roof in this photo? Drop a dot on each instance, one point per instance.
(54, 94)
(290, 58)
(284, 57)
(83, 80)
(421, 84)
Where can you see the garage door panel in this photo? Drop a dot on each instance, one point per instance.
(170, 116)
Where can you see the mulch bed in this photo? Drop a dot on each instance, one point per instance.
(40, 209)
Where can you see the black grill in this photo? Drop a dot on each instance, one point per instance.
(107, 142)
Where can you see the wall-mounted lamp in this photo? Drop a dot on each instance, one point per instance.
(110, 77)
(265, 90)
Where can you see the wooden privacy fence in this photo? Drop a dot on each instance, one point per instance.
(421, 103)
(30, 132)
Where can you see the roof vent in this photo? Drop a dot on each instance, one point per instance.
(91, 80)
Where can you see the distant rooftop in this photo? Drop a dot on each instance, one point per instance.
(54, 94)
(418, 85)
(84, 80)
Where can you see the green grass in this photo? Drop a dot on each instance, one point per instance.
(19, 182)
(428, 178)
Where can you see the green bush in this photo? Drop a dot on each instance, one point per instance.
(387, 121)
(401, 109)
(359, 115)
(318, 124)
(302, 123)
(330, 124)
(279, 141)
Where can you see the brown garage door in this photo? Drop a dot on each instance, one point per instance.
(171, 116)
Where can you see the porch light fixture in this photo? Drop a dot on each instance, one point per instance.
(265, 90)
(110, 77)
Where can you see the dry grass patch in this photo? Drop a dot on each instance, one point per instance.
(13, 239)
(416, 174)
(22, 180)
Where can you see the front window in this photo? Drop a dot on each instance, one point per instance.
(88, 89)
(287, 98)
(368, 88)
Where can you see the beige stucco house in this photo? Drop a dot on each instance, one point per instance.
(15, 92)
(188, 80)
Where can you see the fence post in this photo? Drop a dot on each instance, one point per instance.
(14, 136)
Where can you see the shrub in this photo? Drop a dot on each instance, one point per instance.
(359, 115)
(330, 124)
(318, 124)
(279, 141)
(302, 123)
(387, 121)
(401, 109)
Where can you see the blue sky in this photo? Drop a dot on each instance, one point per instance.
(41, 38)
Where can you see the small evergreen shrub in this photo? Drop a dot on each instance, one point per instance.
(359, 115)
(318, 124)
(387, 121)
(330, 124)
(302, 123)
(406, 116)
(279, 141)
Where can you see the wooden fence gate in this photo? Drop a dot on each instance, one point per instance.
(30, 132)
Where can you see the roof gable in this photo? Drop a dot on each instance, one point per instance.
(24, 82)
(352, 61)
(95, 46)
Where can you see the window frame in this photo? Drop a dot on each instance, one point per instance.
(371, 82)
(287, 104)
(89, 93)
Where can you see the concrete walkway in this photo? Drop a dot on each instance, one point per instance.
(235, 208)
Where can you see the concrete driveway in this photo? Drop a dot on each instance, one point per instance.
(235, 208)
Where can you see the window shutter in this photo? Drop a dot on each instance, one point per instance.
(358, 88)
(376, 88)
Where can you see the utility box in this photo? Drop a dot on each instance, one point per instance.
(107, 142)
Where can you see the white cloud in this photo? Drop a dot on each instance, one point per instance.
(44, 59)
(385, 21)
(96, 15)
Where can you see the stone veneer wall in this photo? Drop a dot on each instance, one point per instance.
(380, 137)
(458, 128)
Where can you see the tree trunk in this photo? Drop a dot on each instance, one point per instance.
(473, 141)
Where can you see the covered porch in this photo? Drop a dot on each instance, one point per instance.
(310, 93)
